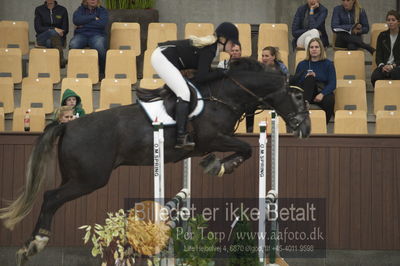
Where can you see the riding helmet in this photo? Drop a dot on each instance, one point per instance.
(229, 31)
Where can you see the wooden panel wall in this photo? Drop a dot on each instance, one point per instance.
(359, 176)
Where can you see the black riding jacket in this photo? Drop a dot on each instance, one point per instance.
(46, 19)
(183, 55)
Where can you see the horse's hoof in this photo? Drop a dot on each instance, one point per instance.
(20, 257)
(208, 161)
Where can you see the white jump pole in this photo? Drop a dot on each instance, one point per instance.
(187, 180)
(158, 150)
(262, 189)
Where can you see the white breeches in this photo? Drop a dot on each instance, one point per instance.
(170, 74)
(305, 38)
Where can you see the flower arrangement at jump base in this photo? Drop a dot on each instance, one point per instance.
(129, 4)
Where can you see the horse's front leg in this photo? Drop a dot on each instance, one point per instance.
(223, 143)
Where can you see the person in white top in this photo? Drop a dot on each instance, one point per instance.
(236, 52)
(387, 55)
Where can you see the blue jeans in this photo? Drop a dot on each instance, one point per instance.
(44, 38)
(98, 42)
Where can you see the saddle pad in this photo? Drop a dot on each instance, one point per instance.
(156, 110)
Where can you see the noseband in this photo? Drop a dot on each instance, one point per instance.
(294, 119)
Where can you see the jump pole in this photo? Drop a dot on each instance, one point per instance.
(262, 184)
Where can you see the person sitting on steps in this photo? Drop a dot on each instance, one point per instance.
(194, 53)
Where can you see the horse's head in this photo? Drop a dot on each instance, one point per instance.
(268, 88)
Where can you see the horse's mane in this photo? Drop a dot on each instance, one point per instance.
(246, 64)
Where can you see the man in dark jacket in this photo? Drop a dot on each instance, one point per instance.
(51, 26)
(308, 23)
(91, 20)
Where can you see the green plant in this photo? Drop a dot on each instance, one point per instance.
(194, 247)
(243, 249)
(129, 4)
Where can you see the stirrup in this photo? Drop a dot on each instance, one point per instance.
(182, 142)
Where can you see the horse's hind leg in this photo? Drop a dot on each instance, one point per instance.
(52, 200)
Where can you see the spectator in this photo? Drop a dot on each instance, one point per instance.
(236, 52)
(271, 57)
(388, 50)
(91, 20)
(317, 76)
(51, 26)
(70, 98)
(308, 23)
(64, 114)
(349, 22)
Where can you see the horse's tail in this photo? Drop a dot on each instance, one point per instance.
(35, 175)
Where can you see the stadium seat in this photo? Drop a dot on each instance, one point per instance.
(148, 70)
(318, 122)
(2, 121)
(121, 64)
(377, 28)
(37, 119)
(160, 32)
(300, 56)
(151, 84)
(115, 92)
(351, 94)
(83, 87)
(37, 93)
(14, 34)
(125, 36)
(11, 63)
(198, 29)
(7, 95)
(284, 57)
(275, 35)
(350, 122)
(83, 63)
(44, 63)
(387, 122)
(387, 95)
(262, 115)
(245, 38)
(349, 64)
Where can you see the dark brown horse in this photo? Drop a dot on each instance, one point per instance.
(90, 147)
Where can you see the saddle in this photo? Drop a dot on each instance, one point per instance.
(168, 97)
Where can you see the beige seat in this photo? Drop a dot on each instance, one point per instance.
(7, 95)
(284, 57)
(37, 93)
(83, 63)
(148, 70)
(387, 122)
(272, 34)
(350, 122)
(244, 38)
(121, 64)
(83, 87)
(151, 84)
(44, 63)
(262, 115)
(14, 34)
(349, 64)
(37, 119)
(198, 29)
(351, 92)
(114, 92)
(160, 32)
(377, 28)
(11, 63)
(318, 122)
(125, 36)
(300, 56)
(387, 94)
(2, 121)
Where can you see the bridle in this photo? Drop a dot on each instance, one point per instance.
(294, 119)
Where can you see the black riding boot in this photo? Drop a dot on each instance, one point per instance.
(56, 42)
(181, 115)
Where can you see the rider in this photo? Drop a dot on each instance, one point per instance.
(194, 53)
